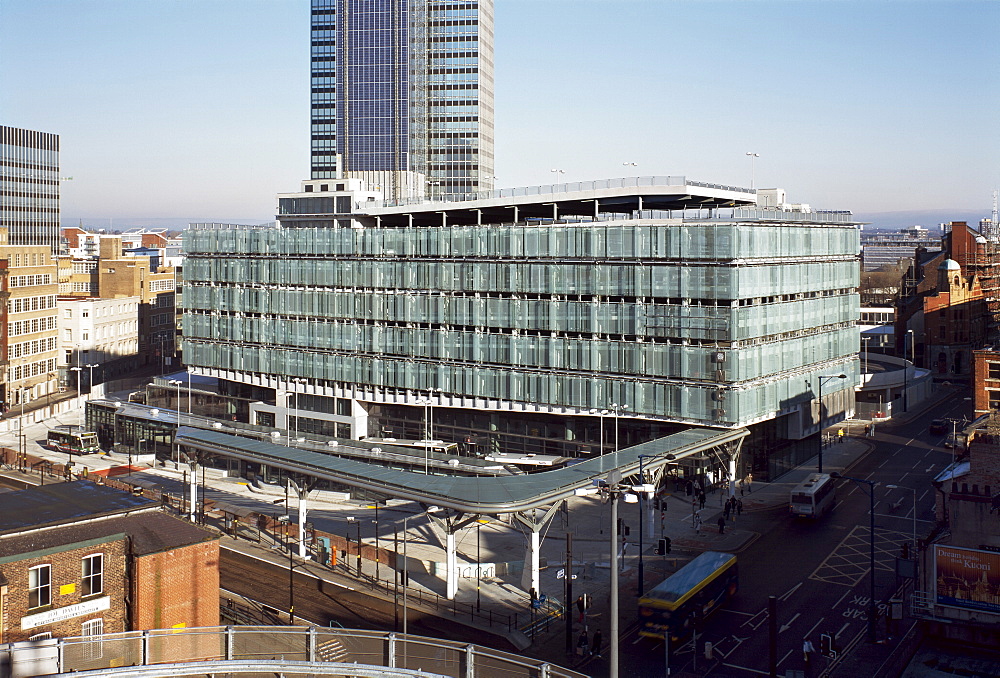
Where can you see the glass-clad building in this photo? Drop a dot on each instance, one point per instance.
(558, 320)
(404, 86)
(29, 175)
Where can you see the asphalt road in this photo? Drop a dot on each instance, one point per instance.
(818, 571)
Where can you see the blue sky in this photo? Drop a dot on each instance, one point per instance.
(198, 109)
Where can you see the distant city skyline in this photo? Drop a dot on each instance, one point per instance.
(167, 108)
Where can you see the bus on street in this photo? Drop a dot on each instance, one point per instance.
(73, 440)
(687, 596)
(813, 497)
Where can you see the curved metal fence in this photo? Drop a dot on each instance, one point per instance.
(270, 645)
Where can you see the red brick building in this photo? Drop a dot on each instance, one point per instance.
(80, 559)
(956, 321)
(986, 380)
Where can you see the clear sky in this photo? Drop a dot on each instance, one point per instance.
(198, 109)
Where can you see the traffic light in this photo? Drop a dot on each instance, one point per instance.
(656, 503)
(666, 545)
(661, 547)
(906, 550)
(826, 644)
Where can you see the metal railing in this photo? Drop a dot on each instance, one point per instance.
(254, 645)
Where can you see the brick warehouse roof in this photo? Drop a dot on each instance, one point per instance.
(50, 505)
(151, 532)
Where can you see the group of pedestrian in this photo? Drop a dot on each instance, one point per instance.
(586, 648)
(732, 508)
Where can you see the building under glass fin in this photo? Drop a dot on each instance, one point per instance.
(564, 319)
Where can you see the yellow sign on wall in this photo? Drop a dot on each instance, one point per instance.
(67, 589)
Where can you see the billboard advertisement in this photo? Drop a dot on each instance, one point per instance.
(967, 578)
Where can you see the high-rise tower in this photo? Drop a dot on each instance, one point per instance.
(404, 85)
(29, 174)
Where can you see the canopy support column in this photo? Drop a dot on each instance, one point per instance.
(302, 494)
(529, 519)
(450, 525)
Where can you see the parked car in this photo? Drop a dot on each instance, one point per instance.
(937, 427)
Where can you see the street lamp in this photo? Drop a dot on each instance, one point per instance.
(820, 379)
(558, 172)
(871, 555)
(92, 366)
(644, 491)
(906, 371)
(141, 441)
(611, 490)
(617, 410)
(352, 519)
(865, 341)
(753, 157)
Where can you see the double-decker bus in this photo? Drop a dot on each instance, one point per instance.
(814, 496)
(687, 596)
(73, 440)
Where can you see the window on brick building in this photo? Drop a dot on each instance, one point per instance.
(994, 399)
(93, 627)
(40, 586)
(92, 581)
(994, 370)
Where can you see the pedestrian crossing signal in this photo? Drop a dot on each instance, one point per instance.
(663, 546)
(826, 644)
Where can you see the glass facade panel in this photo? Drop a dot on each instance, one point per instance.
(723, 321)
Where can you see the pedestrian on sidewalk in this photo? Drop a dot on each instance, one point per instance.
(595, 647)
(583, 644)
(722, 525)
(725, 513)
(739, 507)
(840, 435)
(701, 500)
(741, 487)
(807, 651)
(749, 482)
(697, 523)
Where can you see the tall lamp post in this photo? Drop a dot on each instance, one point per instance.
(645, 492)
(611, 491)
(819, 380)
(906, 370)
(871, 553)
(92, 366)
(352, 519)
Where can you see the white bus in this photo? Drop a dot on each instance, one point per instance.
(814, 496)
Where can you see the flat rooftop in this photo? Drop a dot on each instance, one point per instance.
(554, 201)
(60, 503)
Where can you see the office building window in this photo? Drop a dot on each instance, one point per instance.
(994, 370)
(40, 586)
(92, 580)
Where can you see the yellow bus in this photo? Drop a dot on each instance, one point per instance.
(688, 596)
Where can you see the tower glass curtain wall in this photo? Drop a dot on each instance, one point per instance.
(404, 85)
(29, 174)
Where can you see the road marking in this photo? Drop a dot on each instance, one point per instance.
(842, 629)
(810, 631)
(929, 468)
(747, 668)
(884, 462)
(745, 614)
(789, 592)
(785, 627)
(841, 599)
(922, 495)
(784, 658)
